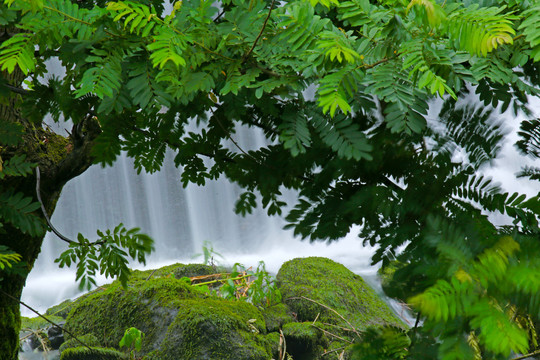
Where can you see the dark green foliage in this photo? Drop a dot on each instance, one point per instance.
(530, 138)
(18, 210)
(387, 343)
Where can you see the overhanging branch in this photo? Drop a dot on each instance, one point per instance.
(44, 211)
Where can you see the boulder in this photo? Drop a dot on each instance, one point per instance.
(312, 287)
(215, 329)
(179, 321)
(56, 335)
(151, 306)
(331, 305)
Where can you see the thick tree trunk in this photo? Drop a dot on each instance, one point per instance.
(60, 159)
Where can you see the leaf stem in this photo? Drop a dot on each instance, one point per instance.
(260, 32)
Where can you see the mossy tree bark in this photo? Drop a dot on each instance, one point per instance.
(60, 159)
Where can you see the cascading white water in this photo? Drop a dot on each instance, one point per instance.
(179, 220)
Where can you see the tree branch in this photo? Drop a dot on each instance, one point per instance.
(260, 32)
(44, 211)
(16, 90)
(526, 356)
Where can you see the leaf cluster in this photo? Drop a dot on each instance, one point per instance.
(108, 255)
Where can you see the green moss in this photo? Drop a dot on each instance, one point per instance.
(196, 270)
(215, 329)
(9, 343)
(94, 353)
(163, 272)
(276, 316)
(333, 285)
(38, 322)
(149, 306)
(87, 339)
(57, 147)
(273, 339)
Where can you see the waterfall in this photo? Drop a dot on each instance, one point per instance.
(179, 220)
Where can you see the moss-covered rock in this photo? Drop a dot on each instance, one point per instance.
(276, 316)
(333, 285)
(192, 270)
(215, 329)
(87, 339)
(273, 339)
(179, 321)
(150, 306)
(92, 353)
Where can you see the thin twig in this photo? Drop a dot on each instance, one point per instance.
(149, 276)
(334, 350)
(260, 32)
(316, 318)
(282, 350)
(233, 141)
(528, 355)
(331, 334)
(342, 328)
(38, 193)
(46, 319)
(329, 308)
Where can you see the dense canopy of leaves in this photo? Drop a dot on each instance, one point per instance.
(359, 152)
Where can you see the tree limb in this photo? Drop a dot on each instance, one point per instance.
(16, 90)
(44, 211)
(260, 32)
(526, 356)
